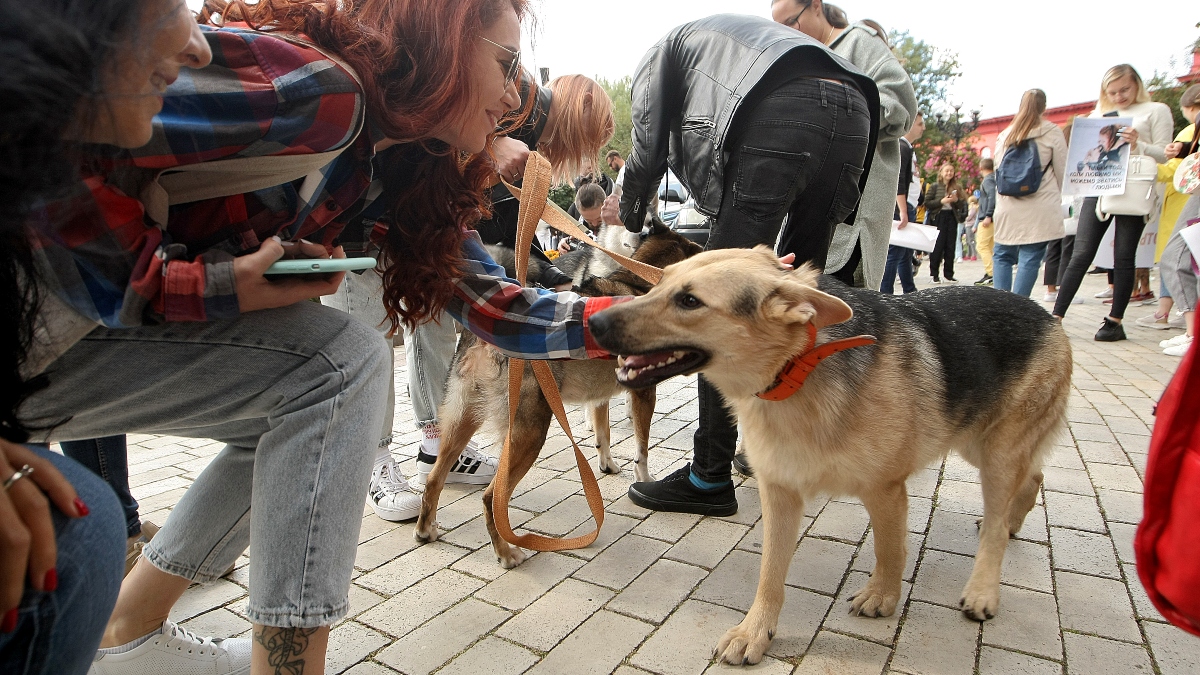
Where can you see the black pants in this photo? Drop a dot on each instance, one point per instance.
(1058, 255)
(1087, 242)
(798, 152)
(943, 248)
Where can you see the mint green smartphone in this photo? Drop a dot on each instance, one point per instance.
(319, 265)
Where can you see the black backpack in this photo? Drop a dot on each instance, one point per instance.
(1020, 172)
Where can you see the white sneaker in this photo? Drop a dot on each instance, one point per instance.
(178, 652)
(1050, 297)
(1179, 349)
(1154, 322)
(391, 496)
(1106, 293)
(472, 467)
(1177, 340)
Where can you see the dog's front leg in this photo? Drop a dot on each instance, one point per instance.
(642, 411)
(526, 437)
(783, 509)
(598, 414)
(888, 507)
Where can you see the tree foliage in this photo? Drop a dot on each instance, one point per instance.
(622, 142)
(1166, 89)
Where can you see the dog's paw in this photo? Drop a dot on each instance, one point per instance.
(511, 558)
(642, 474)
(742, 646)
(426, 533)
(873, 601)
(980, 602)
(608, 465)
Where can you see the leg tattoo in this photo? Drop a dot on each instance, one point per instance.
(285, 648)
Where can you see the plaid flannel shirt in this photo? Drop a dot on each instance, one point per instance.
(261, 96)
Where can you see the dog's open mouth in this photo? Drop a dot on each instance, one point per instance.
(644, 370)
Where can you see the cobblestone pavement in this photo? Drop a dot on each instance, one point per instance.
(657, 590)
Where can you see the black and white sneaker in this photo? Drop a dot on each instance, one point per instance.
(472, 467)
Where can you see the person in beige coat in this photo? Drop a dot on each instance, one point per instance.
(1025, 225)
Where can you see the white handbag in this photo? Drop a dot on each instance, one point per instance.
(1139, 198)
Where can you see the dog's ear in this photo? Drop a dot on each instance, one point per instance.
(793, 302)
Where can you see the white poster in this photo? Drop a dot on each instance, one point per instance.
(1098, 157)
(914, 235)
(1145, 249)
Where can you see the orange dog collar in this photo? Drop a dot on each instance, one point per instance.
(792, 377)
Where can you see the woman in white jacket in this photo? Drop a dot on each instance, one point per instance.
(1025, 225)
(1122, 91)
(863, 43)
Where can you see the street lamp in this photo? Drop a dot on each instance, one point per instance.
(955, 127)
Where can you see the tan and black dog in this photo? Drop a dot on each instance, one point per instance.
(976, 370)
(477, 392)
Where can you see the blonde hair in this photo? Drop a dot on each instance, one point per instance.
(1115, 73)
(1028, 118)
(583, 126)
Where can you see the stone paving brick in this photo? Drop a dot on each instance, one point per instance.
(493, 656)
(865, 560)
(960, 497)
(658, 591)
(615, 527)
(420, 602)
(1102, 453)
(994, 661)
(833, 653)
(733, 582)
(685, 643)
(1122, 538)
(957, 468)
(553, 616)
(385, 548)
(667, 526)
(922, 483)
(546, 495)
(1091, 432)
(199, 598)
(1121, 506)
(819, 564)
(1095, 605)
(707, 543)
(370, 668)
(1075, 511)
(562, 517)
(749, 504)
(1034, 528)
(583, 654)
(941, 578)
(799, 620)
(1141, 602)
(361, 600)
(1065, 457)
(768, 666)
(1084, 552)
(936, 640)
(1113, 477)
(452, 631)
(919, 509)
(622, 562)
(350, 643)
(1132, 443)
(219, 623)
(876, 629)
(1087, 655)
(847, 522)
(1027, 621)
(1175, 652)
(1068, 480)
(525, 583)
(953, 532)
(411, 567)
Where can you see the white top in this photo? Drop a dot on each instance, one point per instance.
(1155, 126)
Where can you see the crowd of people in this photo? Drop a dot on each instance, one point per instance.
(157, 162)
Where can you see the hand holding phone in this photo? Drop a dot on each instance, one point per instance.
(255, 291)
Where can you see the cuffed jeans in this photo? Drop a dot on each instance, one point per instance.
(1027, 258)
(58, 632)
(899, 263)
(108, 457)
(296, 393)
(799, 152)
(1087, 242)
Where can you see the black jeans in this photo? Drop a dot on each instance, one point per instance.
(1087, 242)
(798, 152)
(943, 248)
(108, 458)
(1058, 255)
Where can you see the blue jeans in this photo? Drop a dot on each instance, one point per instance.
(899, 262)
(108, 457)
(58, 633)
(1028, 260)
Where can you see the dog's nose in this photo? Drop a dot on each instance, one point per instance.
(600, 324)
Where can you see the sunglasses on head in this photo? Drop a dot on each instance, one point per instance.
(514, 66)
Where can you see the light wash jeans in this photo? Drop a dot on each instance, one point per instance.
(1028, 260)
(297, 395)
(428, 349)
(58, 633)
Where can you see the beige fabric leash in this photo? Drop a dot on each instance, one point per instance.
(537, 207)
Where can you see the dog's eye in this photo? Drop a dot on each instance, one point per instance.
(688, 301)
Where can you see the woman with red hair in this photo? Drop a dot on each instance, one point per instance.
(164, 323)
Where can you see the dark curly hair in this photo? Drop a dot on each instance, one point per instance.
(414, 59)
(51, 52)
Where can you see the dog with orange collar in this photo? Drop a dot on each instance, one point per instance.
(845, 391)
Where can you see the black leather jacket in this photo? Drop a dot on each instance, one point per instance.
(688, 88)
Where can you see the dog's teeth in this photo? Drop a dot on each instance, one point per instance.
(671, 360)
(680, 355)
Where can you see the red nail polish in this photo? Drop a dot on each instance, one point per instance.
(51, 582)
(81, 507)
(10, 621)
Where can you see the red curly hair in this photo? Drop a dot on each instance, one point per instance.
(414, 58)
